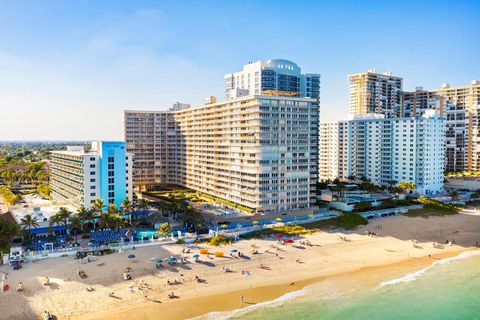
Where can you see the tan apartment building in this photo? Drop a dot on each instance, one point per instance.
(258, 151)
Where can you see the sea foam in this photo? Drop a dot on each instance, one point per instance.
(414, 275)
(238, 312)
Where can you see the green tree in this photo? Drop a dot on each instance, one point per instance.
(76, 226)
(143, 204)
(406, 185)
(55, 220)
(454, 196)
(86, 216)
(164, 230)
(7, 231)
(98, 205)
(127, 205)
(362, 206)
(64, 214)
(28, 222)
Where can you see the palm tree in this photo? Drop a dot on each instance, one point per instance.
(86, 216)
(56, 219)
(454, 196)
(127, 205)
(76, 226)
(104, 219)
(28, 222)
(142, 204)
(98, 205)
(64, 214)
(406, 185)
(164, 229)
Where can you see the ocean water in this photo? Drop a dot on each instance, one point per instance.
(448, 289)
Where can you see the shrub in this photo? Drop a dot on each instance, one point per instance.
(362, 206)
(180, 241)
(108, 251)
(347, 221)
(219, 240)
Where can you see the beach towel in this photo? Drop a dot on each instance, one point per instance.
(5, 287)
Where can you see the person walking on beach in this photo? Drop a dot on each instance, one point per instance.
(242, 298)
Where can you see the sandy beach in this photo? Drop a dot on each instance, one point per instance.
(360, 261)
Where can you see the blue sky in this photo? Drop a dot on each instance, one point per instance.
(68, 69)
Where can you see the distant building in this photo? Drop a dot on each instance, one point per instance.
(328, 157)
(272, 75)
(372, 92)
(79, 177)
(393, 149)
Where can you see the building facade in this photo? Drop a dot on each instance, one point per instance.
(258, 151)
(79, 177)
(272, 75)
(372, 92)
(383, 150)
(328, 157)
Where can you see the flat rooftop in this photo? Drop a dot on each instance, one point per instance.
(39, 208)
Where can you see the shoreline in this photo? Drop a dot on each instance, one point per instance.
(200, 307)
(335, 262)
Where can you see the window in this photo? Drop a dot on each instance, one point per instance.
(92, 158)
(111, 159)
(111, 180)
(92, 188)
(111, 194)
(110, 166)
(92, 194)
(110, 173)
(111, 187)
(92, 165)
(92, 180)
(92, 173)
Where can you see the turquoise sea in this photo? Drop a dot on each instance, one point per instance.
(448, 289)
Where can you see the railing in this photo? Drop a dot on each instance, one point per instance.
(71, 251)
(384, 212)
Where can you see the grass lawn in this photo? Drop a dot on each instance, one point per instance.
(346, 221)
(428, 212)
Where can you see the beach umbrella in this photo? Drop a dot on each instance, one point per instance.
(278, 219)
(196, 256)
(289, 241)
(224, 226)
(234, 250)
(255, 222)
(278, 235)
(171, 259)
(310, 215)
(131, 256)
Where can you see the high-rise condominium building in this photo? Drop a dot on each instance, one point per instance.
(258, 151)
(272, 75)
(79, 177)
(459, 105)
(372, 92)
(393, 149)
(328, 157)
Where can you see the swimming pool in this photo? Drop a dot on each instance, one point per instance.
(145, 234)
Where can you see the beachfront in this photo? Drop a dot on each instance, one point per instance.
(104, 294)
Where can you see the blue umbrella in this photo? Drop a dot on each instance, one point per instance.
(195, 256)
(234, 250)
